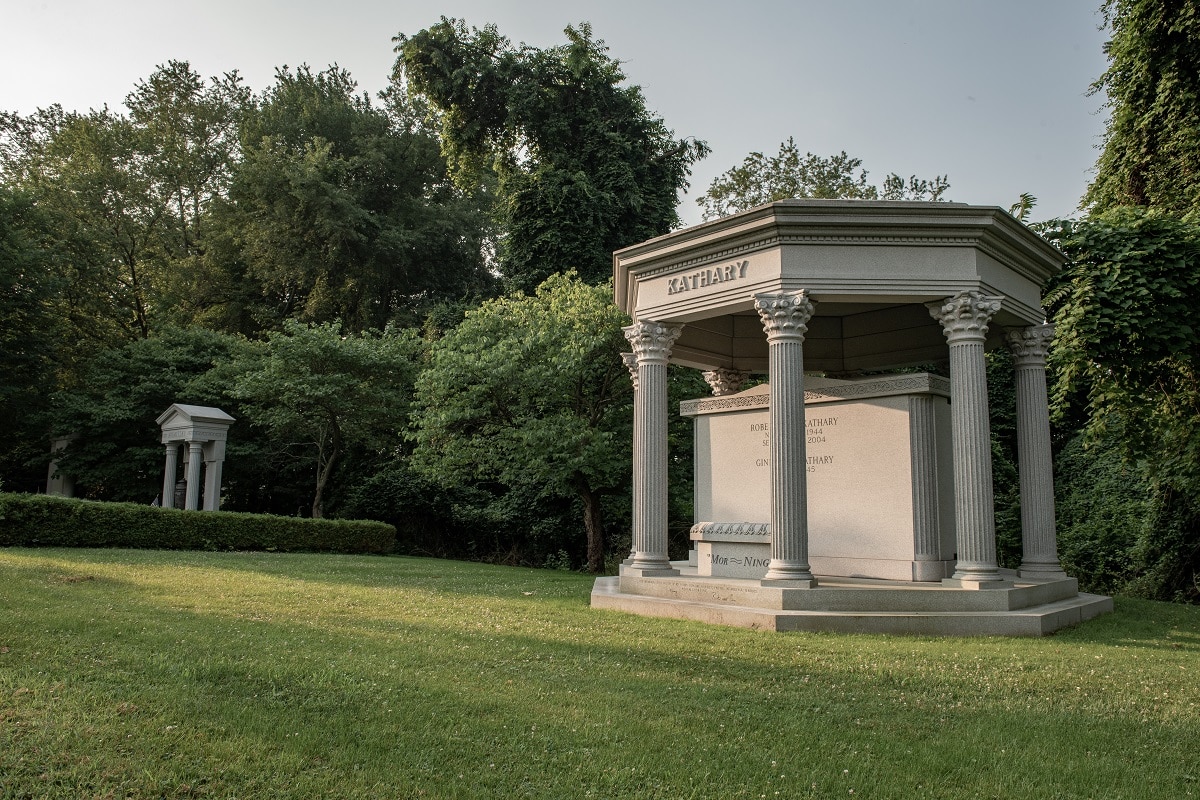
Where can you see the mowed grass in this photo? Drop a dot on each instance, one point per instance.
(142, 674)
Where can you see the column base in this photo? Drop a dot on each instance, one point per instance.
(788, 583)
(630, 571)
(972, 583)
(1051, 572)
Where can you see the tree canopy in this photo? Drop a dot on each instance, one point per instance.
(532, 390)
(582, 167)
(761, 179)
(1151, 154)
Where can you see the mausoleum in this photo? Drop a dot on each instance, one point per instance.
(843, 494)
(204, 430)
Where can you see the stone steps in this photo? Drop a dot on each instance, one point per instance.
(848, 606)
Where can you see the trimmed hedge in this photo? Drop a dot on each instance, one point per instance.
(34, 520)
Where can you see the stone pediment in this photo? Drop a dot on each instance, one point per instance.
(188, 423)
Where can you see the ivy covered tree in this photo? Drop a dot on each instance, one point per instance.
(531, 390)
(582, 167)
(1151, 154)
(1127, 366)
(762, 179)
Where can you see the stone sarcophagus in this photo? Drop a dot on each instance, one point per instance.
(880, 479)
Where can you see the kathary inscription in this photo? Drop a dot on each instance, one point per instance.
(709, 276)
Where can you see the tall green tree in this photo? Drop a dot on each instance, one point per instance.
(1151, 154)
(761, 179)
(126, 195)
(341, 209)
(583, 168)
(1127, 366)
(531, 390)
(30, 336)
(322, 391)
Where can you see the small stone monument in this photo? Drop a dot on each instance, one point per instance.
(204, 430)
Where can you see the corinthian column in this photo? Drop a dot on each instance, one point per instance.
(1039, 547)
(785, 320)
(964, 319)
(652, 348)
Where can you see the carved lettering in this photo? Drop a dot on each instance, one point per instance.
(709, 276)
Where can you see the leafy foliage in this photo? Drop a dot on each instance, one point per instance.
(1127, 346)
(1151, 154)
(530, 391)
(323, 391)
(583, 168)
(41, 521)
(343, 210)
(761, 179)
(119, 394)
(126, 196)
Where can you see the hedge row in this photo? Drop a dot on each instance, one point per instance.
(31, 520)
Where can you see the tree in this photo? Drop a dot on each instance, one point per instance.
(1151, 154)
(1127, 348)
(583, 168)
(324, 391)
(30, 335)
(126, 195)
(343, 210)
(761, 179)
(531, 390)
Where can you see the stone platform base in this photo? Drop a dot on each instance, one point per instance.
(856, 605)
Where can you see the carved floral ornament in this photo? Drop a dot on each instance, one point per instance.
(966, 315)
(725, 381)
(1030, 345)
(630, 360)
(652, 341)
(784, 315)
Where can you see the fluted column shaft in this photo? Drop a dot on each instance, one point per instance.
(1039, 545)
(195, 457)
(922, 433)
(631, 363)
(169, 475)
(785, 319)
(652, 346)
(964, 319)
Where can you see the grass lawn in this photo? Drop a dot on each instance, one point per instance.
(143, 674)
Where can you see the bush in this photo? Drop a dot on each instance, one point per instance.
(28, 520)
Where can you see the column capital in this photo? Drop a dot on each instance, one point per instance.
(965, 315)
(1030, 345)
(630, 360)
(785, 315)
(652, 340)
(725, 381)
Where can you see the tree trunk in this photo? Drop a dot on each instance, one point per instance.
(593, 523)
(325, 469)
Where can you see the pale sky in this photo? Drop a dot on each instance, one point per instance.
(993, 93)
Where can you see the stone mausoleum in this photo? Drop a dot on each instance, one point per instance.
(843, 494)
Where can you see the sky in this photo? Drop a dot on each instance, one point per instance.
(995, 95)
